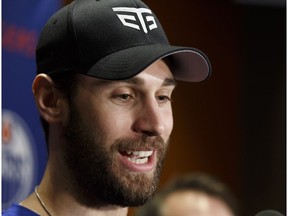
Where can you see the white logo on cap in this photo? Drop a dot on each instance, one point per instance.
(129, 20)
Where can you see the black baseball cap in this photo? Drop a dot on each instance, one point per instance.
(114, 39)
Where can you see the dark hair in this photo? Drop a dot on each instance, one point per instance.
(195, 182)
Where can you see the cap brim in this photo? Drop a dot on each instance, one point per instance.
(188, 64)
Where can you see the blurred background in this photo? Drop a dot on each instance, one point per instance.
(232, 126)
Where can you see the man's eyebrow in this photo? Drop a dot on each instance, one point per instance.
(169, 82)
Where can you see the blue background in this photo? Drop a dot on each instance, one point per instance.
(22, 21)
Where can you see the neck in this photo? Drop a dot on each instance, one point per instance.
(62, 197)
(59, 199)
(65, 205)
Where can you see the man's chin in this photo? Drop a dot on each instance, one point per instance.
(136, 188)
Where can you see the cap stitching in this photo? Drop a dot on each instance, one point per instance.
(71, 28)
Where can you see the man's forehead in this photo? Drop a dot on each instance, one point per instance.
(138, 80)
(159, 70)
(156, 72)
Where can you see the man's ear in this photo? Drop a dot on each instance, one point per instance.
(47, 98)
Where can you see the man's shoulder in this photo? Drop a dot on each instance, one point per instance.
(17, 210)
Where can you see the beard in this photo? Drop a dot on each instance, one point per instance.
(94, 169)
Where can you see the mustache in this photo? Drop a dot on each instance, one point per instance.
(144, 142)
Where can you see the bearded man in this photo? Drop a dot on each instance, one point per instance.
(105, 76)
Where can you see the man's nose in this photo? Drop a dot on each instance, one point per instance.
(149, 120)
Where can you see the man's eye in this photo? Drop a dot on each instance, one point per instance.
(124, 97)
(163, 99)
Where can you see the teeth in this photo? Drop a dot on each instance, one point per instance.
(140, 153)
(139, 157)
(138, 161)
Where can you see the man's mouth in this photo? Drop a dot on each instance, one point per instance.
(138, 157)
(139, 161)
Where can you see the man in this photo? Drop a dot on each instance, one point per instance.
(106, 73)
(192, 195)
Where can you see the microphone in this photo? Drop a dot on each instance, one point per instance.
(269, 213)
